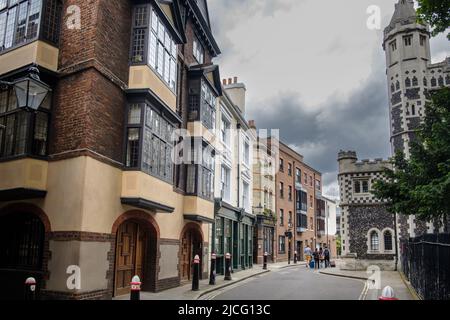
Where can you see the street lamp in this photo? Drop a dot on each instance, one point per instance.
(30, 91)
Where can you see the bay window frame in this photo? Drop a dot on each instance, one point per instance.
(30, 128)
(48, 24)
(158, 68)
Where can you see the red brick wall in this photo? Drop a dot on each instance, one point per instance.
(88, 110)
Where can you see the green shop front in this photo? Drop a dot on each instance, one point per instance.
(233, 233)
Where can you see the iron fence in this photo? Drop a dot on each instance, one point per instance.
(426, 264)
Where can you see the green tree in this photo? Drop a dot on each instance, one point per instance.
(421, 184)
(436, 13)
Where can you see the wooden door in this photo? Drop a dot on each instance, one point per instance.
(186, 255)
(130, 256)
(190, 247)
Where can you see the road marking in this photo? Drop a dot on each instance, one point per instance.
(364, 292)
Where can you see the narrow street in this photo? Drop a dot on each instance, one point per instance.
(297, 283)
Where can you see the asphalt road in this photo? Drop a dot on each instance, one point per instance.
(297, 283)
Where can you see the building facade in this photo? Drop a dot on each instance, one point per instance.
(234, 218)
(264, 191)
(298, 196)
(367, 231)
(330, 225)
(411, 75)
(89, 181)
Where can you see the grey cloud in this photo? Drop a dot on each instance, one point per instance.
(360, 122)
(226, 14)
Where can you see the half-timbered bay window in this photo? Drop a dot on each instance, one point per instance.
(23, 21)
(22, 132)
(152, 44)
(149, 141)
(200, 172)
(208, 106)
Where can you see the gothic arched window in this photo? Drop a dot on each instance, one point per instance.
(433, 82)
(387, 240)
(397, 85)
(425, 82)
(447, 79)
(392, 87)
(441, 81)
(374, 241)
(415, 82)
(408, 82)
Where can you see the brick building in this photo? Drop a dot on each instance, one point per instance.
(300, 207)
(88, 180)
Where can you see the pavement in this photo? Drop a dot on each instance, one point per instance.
(185, 292)
(375, 283)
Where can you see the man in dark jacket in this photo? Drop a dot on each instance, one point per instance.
(326, 253)
(316, 256)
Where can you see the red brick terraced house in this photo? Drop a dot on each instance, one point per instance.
(87, 178)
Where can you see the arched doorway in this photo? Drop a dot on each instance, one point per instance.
(136, 252)
(22, 242)
(191, 245)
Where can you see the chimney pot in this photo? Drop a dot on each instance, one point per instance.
(230, 81)
(224, 81)
(235, 79)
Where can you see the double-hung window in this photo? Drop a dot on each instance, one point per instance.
(152, 44)
(226, 183)
(21, 132)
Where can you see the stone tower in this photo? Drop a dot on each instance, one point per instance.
(407, 47)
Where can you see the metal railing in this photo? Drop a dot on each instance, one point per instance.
(425, 261)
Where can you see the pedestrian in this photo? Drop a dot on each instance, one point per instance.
(316, 259)
(326, 253)
(321, 256)
(308, 255)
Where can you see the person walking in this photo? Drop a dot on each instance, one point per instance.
(308, 254)
(316, 259)
(321, 257)
(326, 254)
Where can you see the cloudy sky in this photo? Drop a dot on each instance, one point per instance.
(314, 70)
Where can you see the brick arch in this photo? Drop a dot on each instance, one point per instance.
(194, 226)
(137, 215)
(28, 208)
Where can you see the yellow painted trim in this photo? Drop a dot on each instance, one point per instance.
(39, 52)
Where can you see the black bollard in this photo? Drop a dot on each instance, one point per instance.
(135, 293)
(212, 276)
(30, 289)
(289, 256)
(196, 275)
(228, 266)
(295, 257)
(265, 261)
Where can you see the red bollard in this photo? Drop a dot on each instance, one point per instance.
(265, 261)
(196, 275)
(135, 289)
(227, 266)
(30, 289)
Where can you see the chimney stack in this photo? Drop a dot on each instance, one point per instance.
(236, 91)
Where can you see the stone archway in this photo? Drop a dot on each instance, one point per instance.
(136, 251)
(24, 230)
(191, 245)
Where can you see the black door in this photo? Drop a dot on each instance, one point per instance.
(21, 249)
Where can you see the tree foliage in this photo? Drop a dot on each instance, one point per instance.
(421, 185)
(436, 13)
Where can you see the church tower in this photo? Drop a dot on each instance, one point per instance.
(407, 47)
